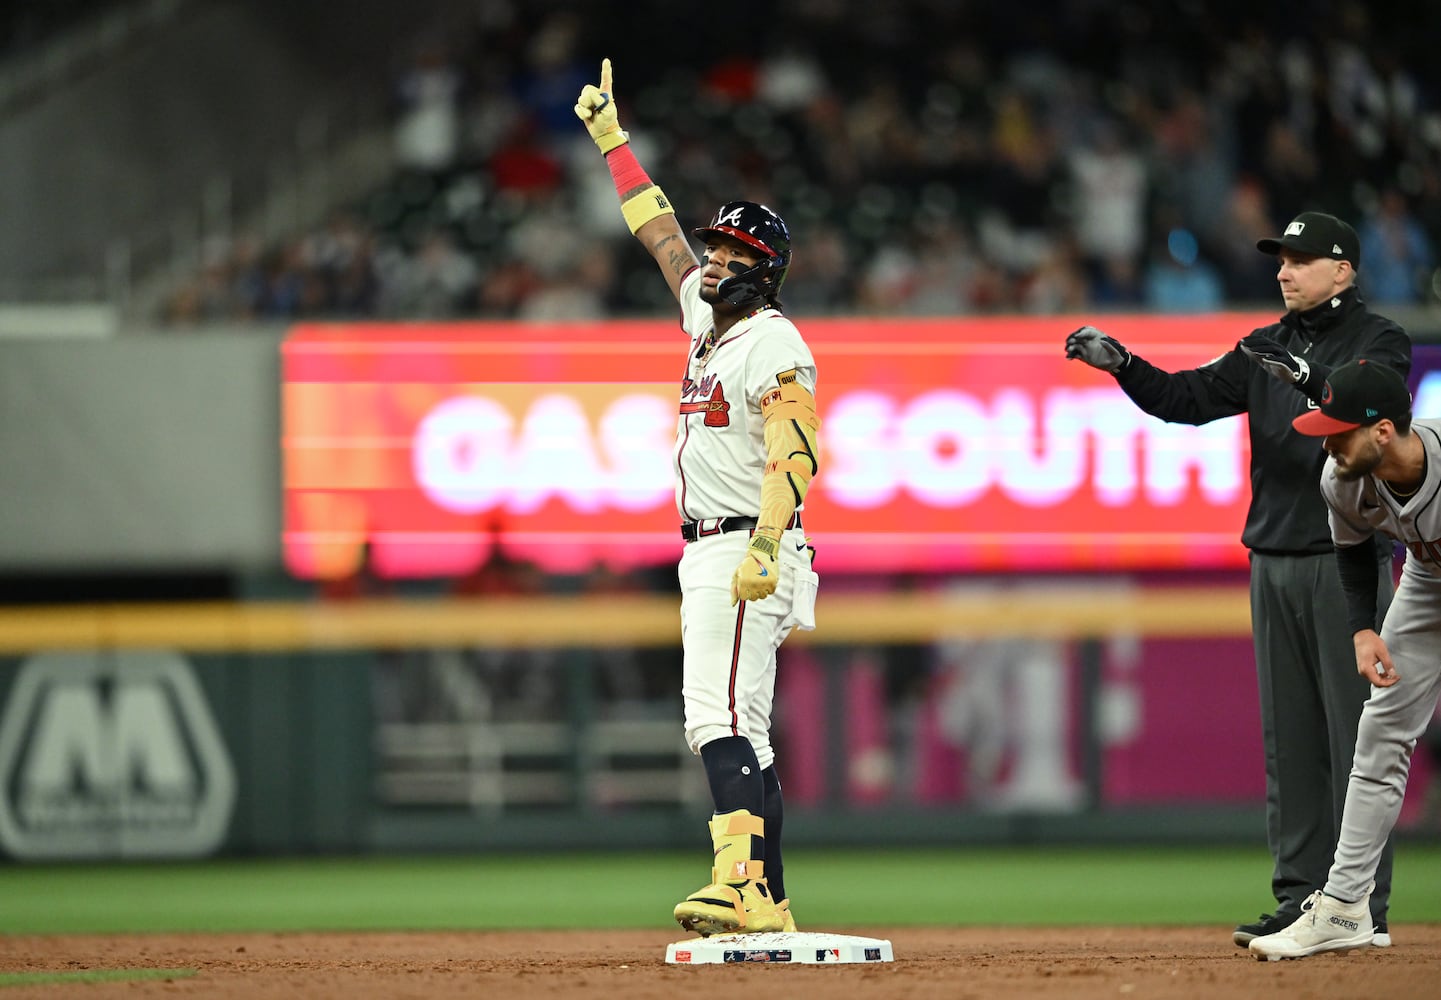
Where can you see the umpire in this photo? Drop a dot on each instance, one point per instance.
(1311, 695)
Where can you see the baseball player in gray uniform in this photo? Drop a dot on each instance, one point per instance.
(1383, 475)
(745, 453)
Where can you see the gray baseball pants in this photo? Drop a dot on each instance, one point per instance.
(1392, 721)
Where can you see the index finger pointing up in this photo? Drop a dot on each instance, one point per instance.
(605, 78)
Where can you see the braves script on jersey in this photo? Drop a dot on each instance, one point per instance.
(720, 453)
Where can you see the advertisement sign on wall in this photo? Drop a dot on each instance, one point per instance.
(111, 754)
(957, 444)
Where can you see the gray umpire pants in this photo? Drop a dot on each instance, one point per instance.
(1311, 698)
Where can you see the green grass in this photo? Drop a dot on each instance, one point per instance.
(966, 886)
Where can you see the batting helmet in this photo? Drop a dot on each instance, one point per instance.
(758, 227)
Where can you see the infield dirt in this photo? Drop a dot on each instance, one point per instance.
(1012, 963)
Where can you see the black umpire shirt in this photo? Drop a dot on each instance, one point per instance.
(1287, 514)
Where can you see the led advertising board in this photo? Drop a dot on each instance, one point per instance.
(946, 445)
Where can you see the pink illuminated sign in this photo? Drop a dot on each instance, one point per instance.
(946, 445)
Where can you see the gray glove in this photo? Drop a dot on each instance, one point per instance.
(1097, 350)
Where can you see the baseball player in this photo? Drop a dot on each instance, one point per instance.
(1383, 476)
(745, 453)
(1310, 697)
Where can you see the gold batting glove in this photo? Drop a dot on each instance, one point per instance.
(756, 577)
(596, 108)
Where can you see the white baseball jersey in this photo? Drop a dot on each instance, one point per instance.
(720, 452)
(729, 668)
(1394, 717)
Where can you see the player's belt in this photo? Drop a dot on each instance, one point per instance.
(704, 528)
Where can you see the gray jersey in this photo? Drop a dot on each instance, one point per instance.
(1365, 506)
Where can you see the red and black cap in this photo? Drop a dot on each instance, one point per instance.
(1356, 394)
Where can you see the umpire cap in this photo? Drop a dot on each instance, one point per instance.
(1318, 234)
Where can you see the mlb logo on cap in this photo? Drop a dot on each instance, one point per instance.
(1356, 394)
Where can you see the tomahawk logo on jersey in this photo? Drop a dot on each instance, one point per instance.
(706, 396)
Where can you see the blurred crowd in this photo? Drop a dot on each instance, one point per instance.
(25, 25)
(932, 157)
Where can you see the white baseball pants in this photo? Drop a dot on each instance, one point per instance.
(730, 652)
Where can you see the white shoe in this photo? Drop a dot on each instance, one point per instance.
(1325, 924)
(1380, 940)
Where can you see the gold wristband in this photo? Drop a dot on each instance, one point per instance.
(611, 140)
(649, 204)
(765, 545)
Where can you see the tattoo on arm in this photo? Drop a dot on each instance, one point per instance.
(680, 262)
(679, 258)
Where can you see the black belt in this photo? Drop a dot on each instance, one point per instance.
(704, 528)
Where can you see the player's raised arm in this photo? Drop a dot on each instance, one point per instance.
(647, 211)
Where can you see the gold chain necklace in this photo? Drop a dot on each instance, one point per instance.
(1407, 495)
(706, 349)
(711, 339)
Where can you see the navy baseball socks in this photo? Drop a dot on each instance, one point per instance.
(748, 803)
(738, 900)
(774, 815)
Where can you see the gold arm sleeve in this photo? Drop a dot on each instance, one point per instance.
(650, 204)
(792, 457)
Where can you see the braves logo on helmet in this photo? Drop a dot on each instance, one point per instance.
(731, 218)
(760, 228)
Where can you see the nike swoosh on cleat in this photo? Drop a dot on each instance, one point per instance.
(801, 547)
